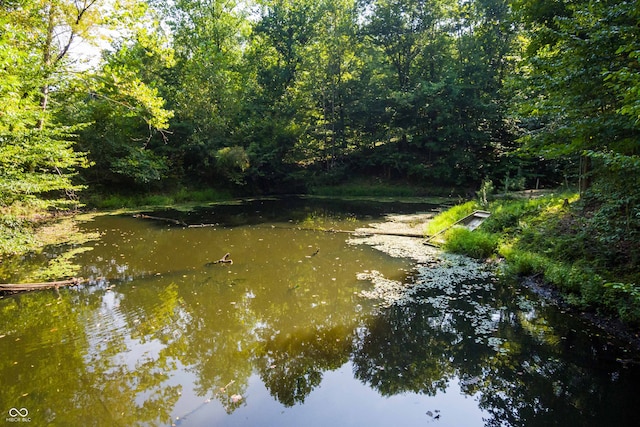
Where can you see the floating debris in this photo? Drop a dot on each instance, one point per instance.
(451, 283)
(388, 291)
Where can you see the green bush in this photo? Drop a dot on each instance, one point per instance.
(523, 263)
(625, 297)
(476, 244)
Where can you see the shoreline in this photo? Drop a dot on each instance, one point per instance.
(435, 267)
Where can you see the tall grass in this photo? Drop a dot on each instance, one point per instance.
(449, 217)
(476, 244)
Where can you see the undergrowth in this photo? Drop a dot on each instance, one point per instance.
(561, 239)
(370, 188)
(183, 195)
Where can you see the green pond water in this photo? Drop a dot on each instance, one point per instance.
(286, 335)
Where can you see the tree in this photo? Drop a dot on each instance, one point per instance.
(278, 109)
(438, 67)
(127, 138)
(36, 155)
(577, 79)
(206, 86)
(331, 67)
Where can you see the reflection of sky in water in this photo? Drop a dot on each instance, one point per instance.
(338, 401)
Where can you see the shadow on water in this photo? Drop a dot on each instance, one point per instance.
(283, 336)
(292, 209)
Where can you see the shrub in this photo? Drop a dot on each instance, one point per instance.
(523, 263)
(625, 297)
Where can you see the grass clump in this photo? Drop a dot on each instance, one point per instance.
(476, 244)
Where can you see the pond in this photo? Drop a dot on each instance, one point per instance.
(305, 327)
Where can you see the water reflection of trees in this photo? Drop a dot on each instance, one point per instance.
(525, 374)
(292, 365)
(118, 349)
(401, 351)
(70, 372)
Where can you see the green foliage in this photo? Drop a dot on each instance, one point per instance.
(37, 161)
(232, 163)
(513, 216)
(577, 82)
(142, 166)
(366, 188)
(126, 139)
(181, 196)
(626, 297)
(449, 217)
(475, 244)
(36, 153)
(523, 263)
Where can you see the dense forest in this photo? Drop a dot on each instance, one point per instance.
(283, 96)
(280, 96)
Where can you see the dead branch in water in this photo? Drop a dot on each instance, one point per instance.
(23, 287)
(224, 260)
(159, 218)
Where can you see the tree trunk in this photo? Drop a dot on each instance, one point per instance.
(584, 179)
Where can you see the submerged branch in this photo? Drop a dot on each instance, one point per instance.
(159, 218)
(23, 287)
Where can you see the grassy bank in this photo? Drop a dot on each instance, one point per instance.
(561, 239)
(361, 187)
(139, 200)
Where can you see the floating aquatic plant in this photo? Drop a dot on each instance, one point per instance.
(450, 283)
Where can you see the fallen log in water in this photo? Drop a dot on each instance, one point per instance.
(159, 218)
(368, 231)
(23, 287)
